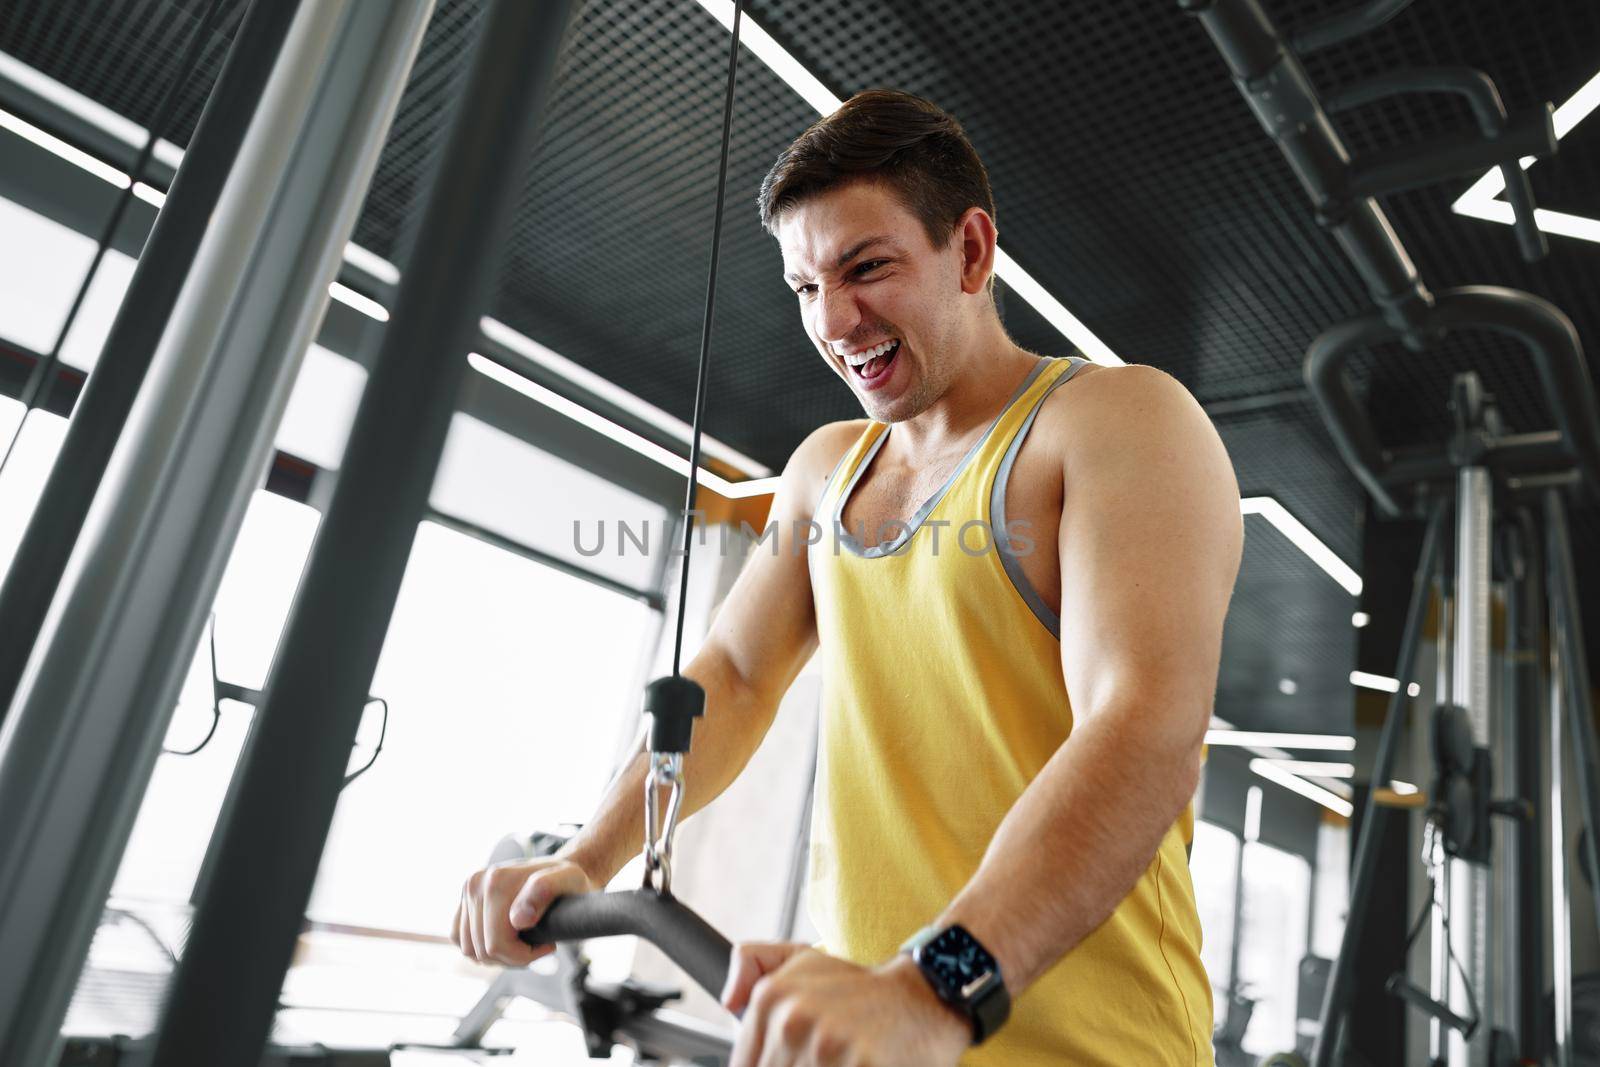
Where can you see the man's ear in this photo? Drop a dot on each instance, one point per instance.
(975, 236)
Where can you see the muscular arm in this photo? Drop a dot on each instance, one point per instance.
(1150, 542)
(761, 637)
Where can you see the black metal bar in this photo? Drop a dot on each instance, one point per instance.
(1365, 870)
(245, 928)
(1490, 111)
(686, 938)
(1543, 330)
(1453, 155)
(1525, 613)
(1475, 86)
(1275, 85)
(1563, 587)
(1345, 25)
(528, 552)
(103, 407)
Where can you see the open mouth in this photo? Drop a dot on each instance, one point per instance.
(878, 365)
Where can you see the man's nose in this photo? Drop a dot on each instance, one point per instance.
(838, 316)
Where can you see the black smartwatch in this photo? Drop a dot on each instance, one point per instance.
(964, 974)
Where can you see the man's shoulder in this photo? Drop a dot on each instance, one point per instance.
(824, 447)
(1104, 403)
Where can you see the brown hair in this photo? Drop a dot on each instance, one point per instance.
(904, 140)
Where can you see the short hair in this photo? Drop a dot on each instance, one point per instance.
(919, 150)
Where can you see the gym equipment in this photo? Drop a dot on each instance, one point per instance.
(672, 704)
(85, 728)
(1501, 486)
(630, 1012)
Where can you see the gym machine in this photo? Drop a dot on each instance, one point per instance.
(1509, 495)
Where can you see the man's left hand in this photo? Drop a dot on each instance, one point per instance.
(803, 1008)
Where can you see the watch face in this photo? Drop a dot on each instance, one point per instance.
(957, 959)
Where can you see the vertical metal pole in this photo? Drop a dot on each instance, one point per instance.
(102, 409)
(1563, 588)
(1560, 891)
(1364, 871)
(226, 989)
(1469, 885)
(1439, 973)
(78, 748)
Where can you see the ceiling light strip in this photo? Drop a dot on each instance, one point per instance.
(1481, 201)
(600, 424)
(613, 394)
(56, 146)
(1303, 539)
(1315, 768)
(1269, 770)
(123, 129)
(825, 102)
(1264, 740)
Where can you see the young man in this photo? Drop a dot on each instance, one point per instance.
(1019, 604)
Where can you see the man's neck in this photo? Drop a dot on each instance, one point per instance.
(974, 398)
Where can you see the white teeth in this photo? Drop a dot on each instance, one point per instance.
(857, 359)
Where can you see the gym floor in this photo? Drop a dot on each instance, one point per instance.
(1148, 218)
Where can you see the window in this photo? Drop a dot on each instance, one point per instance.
(37, 288)
(23, 477)
(1214, 867)
(1273, 922)
(322, 408)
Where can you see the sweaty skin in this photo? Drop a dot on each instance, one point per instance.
(1155, 535)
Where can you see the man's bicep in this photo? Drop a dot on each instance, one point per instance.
(1150, 542)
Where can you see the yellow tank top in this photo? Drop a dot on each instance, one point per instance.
(942, 698)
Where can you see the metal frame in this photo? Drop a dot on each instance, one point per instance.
(272, 842)
(174, 241)
(87, 723)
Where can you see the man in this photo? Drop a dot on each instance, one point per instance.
(1013, 712)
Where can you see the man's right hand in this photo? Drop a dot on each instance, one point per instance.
(498, 901)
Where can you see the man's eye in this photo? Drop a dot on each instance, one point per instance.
(805, 290)
(870, 265)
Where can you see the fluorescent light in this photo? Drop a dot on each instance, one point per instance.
(1252, 814)
(1269, 770)
(1303, 539)
(824, 102)
(613, 394)
(1288, 686)
(372, 263)
(134, 136)
(1404, 789)
(56, 146)
(1261, 739)
(1381, 683)
(1313, 768)
(620, 434)
(1055, 313)
(70, 100)
(366, 305)
(1360, 619)
(1413, 690)
(1481, 200)
(776, 57)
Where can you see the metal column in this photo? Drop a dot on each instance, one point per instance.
(102, 409)
(1560, 889)
(1469, 885)
(94, 702)
(223, 998)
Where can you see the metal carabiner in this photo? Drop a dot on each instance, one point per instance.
(666, 772)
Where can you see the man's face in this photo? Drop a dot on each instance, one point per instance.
(882, 305)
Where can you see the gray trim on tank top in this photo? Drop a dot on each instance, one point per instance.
(909, 527)
(997, 511)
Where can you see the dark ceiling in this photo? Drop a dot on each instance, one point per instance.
(1130, 179)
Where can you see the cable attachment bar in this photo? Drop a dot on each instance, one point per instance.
(673, 704)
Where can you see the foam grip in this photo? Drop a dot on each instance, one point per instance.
(688, 940)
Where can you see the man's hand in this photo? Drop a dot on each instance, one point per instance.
(803, 1008)
(498, 901)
